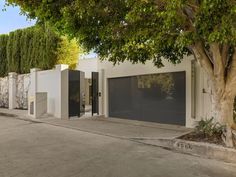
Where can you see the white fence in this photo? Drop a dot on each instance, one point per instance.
(22, 89)
(4, 93)
(19, 91)
(14, 87)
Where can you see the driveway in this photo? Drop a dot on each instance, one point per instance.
(121, 128)
(29, 149)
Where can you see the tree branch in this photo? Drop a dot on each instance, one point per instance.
(231, 75)
(217, 60)
(224, 54)
(219, 69)
(202, 58)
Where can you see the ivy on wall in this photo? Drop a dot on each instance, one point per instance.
(35, 47)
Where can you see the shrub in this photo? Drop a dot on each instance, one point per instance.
(209, 128)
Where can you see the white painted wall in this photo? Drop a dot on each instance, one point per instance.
(49, 82)
(107, 70)
(55, 83)
(40, 104)
(88, 65)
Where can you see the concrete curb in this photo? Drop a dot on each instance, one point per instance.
(7, 114)
(205, 150)
(15, 116)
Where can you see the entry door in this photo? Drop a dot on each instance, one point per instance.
(95, 94)
(76, 93)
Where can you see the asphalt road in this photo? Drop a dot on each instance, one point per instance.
(40, 150)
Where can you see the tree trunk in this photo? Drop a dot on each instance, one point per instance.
(221, 70)
(224, 114)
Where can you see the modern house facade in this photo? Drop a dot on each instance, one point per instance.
(174, 94)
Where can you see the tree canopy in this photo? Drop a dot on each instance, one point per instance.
(139, 30)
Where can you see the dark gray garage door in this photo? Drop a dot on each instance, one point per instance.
(155, 98)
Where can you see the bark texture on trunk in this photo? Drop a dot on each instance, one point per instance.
(224, 110)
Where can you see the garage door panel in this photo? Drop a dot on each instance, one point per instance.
(156, 98)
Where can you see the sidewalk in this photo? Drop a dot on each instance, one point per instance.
(120, 128)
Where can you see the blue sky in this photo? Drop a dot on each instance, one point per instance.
(11, 20)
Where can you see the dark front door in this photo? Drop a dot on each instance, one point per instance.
(76, 101)
(95, 94)
(155, 98)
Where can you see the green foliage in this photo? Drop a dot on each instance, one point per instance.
(139, 30)
(3, 55)
(67, 52)
(209, 128)
(35, 47)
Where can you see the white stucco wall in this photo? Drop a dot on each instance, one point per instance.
(49, 82)
(88, 65)
(55, 83)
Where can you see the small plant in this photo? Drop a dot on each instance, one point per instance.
(209, 128)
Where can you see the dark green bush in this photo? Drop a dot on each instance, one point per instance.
(3, 55)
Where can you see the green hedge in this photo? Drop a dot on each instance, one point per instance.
(34, 47)
(3, 55)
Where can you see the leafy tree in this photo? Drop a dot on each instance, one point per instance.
(141, 30)
(68, 52)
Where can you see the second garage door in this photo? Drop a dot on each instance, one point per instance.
(155, 98)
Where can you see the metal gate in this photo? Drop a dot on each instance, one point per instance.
(95, 93)
(76, 93)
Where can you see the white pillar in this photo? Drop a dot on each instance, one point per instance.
(32, 89)
(63, 87)
(102, 92)
(12, 90)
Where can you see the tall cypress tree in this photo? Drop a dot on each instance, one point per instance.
(34, 47)
(3, 55)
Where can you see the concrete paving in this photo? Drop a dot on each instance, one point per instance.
(121, 128)
(29, 149)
